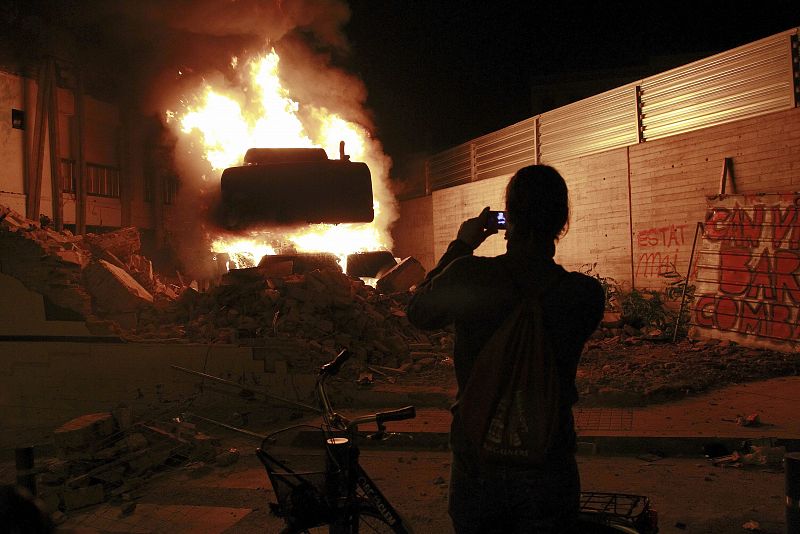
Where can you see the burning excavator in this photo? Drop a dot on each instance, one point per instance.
(292, 186)
(278, 187)
(281, 201)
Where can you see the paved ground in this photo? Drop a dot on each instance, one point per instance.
(690, 493)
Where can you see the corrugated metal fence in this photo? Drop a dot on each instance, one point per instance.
(754, 79)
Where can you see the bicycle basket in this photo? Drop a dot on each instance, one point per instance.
(299, 481)
(619, 508)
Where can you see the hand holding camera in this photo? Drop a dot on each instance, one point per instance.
(474, 231)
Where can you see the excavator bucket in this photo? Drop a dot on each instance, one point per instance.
(287, 187)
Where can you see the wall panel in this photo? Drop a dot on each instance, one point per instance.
(414, 237)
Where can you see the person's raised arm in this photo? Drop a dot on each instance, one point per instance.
(438, 296)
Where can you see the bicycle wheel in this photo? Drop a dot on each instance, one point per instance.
(370, 521)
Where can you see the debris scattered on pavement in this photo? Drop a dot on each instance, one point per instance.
(752, 526)
(751, 420)
(106, 456)
(762, 456)
(651, 457)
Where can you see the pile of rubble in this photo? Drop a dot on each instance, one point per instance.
(629, 371)
(305, 305)
(107, 457)
(89, 276)
(320, 311)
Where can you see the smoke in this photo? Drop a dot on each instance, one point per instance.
(177, 47)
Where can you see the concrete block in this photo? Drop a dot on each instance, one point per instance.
(77, 498)
(403, 276)
(84, 431)
(113, 289)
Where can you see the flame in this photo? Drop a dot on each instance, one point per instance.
(260, 112)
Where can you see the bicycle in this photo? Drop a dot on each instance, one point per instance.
(334, 489)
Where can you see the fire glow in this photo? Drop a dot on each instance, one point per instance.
(259, 112)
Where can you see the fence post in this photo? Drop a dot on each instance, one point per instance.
(792, 468)
(26, 476)
(686, 283)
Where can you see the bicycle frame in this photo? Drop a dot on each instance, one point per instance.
(344, 476)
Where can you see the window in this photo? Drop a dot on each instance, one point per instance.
(102, 181)
(67, 175)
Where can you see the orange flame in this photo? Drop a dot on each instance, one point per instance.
(261, 113)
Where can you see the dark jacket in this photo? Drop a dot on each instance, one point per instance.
(477, 293)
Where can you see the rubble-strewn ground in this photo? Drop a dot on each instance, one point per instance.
(316, 312)
(617, 373)
(632, 372)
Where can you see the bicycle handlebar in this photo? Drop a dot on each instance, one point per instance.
(334, 419)
(401, 414)
(332, 368)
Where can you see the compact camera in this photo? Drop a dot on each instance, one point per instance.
(497, 220)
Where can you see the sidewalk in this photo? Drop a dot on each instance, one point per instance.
(681, 427)
(233, 499)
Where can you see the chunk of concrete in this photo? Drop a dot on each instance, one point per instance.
(84, 431)
(401, 277)
(82, 497)
(113, 289)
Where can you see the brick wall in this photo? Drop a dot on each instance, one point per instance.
(636, 228)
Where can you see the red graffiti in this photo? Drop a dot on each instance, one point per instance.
(758, 272)
(784, 222)
(746, 317)
(665, 236)
(655, 263)
(736, 225)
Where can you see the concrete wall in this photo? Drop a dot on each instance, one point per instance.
(45, 384)
(634, 209)
(22, 313)
(416, 240)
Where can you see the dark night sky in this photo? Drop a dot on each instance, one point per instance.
(442, 72)
(437, 72)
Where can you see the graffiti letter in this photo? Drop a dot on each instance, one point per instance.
(726, 314)
(733, 272)
(704, 311)
(748, 229)
(716, 229)
(754, 314)
(786, 265)
(782, 223)
(780, 327)
(762, 277)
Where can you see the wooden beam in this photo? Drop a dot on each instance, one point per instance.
(36, 149)
(727, 172)
(80, 158)
(55, 150)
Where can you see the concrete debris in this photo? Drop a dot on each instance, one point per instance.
(113, 289)
(92, 276)
(298, 308)
(752, 526)
(403, 276)
(107, 456)
(299, 321)
(751, 420)
(613, 373)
